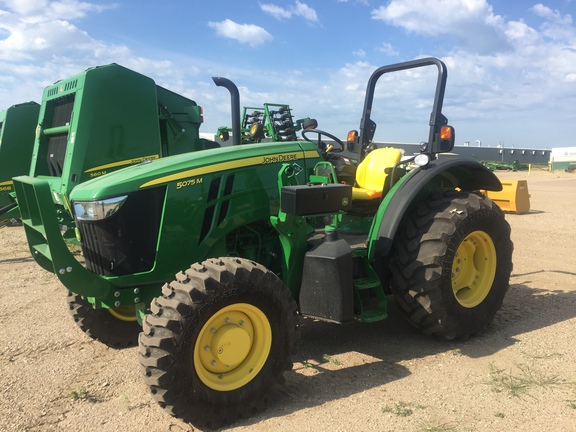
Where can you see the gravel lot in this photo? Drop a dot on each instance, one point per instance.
(520, 374)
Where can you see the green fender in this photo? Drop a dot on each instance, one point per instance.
(414, 188)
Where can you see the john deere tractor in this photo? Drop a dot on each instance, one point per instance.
(17, 125)
(259, 235)
(103, 119)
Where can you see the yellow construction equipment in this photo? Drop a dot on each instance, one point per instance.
(513, 197)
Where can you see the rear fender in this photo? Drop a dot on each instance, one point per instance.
(438, 176)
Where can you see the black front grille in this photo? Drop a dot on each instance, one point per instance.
(56, 154)
(62, 110)
(124, 243)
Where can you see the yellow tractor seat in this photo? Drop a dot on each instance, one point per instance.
(371, 174)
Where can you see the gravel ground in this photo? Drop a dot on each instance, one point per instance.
(519, 374)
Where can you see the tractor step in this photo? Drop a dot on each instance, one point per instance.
(369, 298)
(372, 315)
(366, 283)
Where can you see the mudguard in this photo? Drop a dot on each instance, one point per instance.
(409, 192)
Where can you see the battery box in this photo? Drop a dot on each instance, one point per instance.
(315, 198)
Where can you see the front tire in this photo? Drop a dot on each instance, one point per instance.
(218, 340)
(115, 327)
(451, 265)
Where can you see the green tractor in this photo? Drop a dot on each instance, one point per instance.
(17, 125)
(271, 122)
(261, 234)
(104, 119)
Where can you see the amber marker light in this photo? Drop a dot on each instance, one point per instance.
(446, 132)
(352, 136)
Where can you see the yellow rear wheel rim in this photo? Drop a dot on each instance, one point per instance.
(232, 347)
(474, 269)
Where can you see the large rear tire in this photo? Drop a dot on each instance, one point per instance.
(115, 327)
(218, 340)
(451, 264)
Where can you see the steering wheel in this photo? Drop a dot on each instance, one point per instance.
(324, 148)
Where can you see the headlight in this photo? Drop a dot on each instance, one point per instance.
(97, 210)
(422, 159)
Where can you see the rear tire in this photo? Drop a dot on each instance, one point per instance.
(451, 264)
(116, 327)
(218, 340)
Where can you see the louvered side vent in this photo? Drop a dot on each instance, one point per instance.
(210, 209)
(52, 92)
(70, 85)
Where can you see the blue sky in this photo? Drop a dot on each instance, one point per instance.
(511, 64)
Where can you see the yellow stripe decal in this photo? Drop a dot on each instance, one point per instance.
(6, 183)
(122, 163)
(241, 163)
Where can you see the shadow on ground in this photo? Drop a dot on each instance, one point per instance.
(392, 341)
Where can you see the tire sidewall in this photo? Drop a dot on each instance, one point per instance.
(241, 291)
(489, 221)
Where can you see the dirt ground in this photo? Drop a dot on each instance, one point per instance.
(520, 374)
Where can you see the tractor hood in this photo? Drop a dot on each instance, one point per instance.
(179, 169)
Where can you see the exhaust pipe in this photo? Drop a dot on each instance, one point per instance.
(235, 102)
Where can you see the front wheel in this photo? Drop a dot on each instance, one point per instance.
(218, 340)
(115, 327)
(451, 265)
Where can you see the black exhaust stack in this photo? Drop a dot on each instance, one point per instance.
(235, 102)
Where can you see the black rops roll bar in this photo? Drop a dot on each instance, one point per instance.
(437, 119)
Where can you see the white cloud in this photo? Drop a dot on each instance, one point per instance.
(39, 29)
(556, 26)
(37, 41)
(472, 24)
(359, 53)
(245, 33)
(305, 11)
(44, 10)
(545, 12)
(276, 11)
(39, 44)
(388, 49)
(298, 9)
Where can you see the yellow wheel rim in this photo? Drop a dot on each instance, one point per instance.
(474, 269)
(232, 347)
(123, 313)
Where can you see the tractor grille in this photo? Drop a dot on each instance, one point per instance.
(56, 154)
(61, 116)
(124, 243)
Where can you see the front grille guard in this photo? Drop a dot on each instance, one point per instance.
(45, 240)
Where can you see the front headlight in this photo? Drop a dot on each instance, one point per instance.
(422, 159)
(97, 210)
